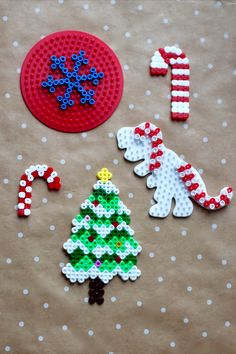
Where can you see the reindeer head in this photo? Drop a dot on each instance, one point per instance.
(143, 142)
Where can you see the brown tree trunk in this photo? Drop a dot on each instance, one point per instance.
(96, 291)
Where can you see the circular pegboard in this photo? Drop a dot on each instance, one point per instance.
(44, 105)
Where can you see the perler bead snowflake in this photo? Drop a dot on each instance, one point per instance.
(72, 80)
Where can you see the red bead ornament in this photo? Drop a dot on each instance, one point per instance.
(44, 106)
(25, 187)
(180, 71)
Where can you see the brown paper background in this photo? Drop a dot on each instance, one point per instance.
(188, 22)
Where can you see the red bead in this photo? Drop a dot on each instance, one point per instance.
(153, 155)
(91, 238)
(115, 223)
(181, 169)
(151, 167)
(118, 259)
(48, 172)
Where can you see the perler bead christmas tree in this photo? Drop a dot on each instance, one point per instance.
(102, 245)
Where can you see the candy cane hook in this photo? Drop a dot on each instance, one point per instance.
(180, 72)
(25, 187)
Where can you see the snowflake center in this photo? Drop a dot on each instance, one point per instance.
(73, 80)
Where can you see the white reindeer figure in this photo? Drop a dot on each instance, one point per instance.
(173, 177)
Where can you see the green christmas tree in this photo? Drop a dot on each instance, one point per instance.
(102, 245)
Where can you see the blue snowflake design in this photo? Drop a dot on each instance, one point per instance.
(73, 80)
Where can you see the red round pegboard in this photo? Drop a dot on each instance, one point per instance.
(44, 105)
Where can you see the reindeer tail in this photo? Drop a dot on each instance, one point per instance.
(197, 190)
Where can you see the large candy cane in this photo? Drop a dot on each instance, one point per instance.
(179, 64)
(25, 189)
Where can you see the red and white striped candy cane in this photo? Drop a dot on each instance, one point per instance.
(25, 187)
(180, 72)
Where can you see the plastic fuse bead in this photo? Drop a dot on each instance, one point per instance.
(25, 187)
(73, 80)
(102, 243)
(173, 177)
(180, 78)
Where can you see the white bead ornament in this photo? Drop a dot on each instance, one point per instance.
(172, 177)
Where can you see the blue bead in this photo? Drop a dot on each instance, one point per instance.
(80, 58)
(63, 59)
(82, 52)
(52, 89)
(44, 84)
(87, 97)
(78, 63)
(57, 61)
(95, 76)
(74, 57)
(74, 74)
(61, 66)
(84, 92)
(83, 100)
(63, 106)
(69, 74)
(76, 68)
(95, 81)
(71, 102)
(66, 80)
(90, 77)
(65, 100)
(77, 84)
(91, 101)
(101, 75)
(53, 66)
(56, 82)
(69, 90)
(91, 92)
(66, 95)
(62, 81)
(50, 83)
(83, 77)
(59, 98)
(50, 77)
(93, 70)
(53, 57)
(85, 61)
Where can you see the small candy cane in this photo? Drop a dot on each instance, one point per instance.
(25, 187)
(180, 72)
